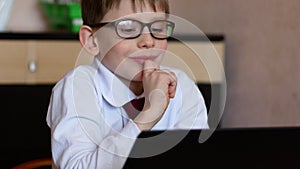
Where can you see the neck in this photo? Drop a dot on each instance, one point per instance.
(136, 87)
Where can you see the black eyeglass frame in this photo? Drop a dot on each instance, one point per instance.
(115, 24)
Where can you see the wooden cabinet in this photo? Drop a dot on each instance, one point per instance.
(202, 60)
(13, 61)
(36, 61)
(53, 59)
(45, 58)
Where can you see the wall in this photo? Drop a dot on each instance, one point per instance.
(262, 58)
(262, 53)
(27, 16)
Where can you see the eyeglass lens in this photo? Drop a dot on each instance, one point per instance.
(132, 28)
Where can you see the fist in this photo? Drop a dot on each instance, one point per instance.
(159, 86)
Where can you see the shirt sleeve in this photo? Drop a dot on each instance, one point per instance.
(80, 137)
(193, 112)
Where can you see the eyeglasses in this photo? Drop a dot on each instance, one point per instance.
(130, 29)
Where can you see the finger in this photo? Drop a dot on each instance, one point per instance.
(171, 74)
(172, 83)
(149, 65)
(172, 89)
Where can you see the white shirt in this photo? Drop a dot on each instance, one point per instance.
(91, 129)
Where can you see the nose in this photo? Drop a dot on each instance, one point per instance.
(146, 40)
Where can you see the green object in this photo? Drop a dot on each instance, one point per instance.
(66, 16)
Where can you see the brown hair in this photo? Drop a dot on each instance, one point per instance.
(94, 10)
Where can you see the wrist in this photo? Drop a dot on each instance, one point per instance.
(146, 120)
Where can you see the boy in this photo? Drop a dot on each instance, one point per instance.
(93, 120)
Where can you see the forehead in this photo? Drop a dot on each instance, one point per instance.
(129, 9)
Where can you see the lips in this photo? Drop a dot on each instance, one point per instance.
(141, 59)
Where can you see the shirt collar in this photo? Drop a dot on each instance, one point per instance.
(112, 88)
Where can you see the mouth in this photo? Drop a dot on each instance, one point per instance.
(141, 59)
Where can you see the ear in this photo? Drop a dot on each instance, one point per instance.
(88, 41)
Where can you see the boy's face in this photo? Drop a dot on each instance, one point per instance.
(125, 57)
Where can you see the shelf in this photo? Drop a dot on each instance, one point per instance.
(73, 36)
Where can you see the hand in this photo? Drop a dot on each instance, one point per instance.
(159, 86)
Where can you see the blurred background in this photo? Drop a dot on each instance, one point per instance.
(262, 59)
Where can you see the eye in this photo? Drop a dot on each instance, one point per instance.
(157, 30)
(127, 30)
(160, 27)
(128, 27)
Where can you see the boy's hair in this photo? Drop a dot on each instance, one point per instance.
(93, 11)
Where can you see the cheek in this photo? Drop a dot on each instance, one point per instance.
(116, 55)
(162, 44)
(121, 48)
